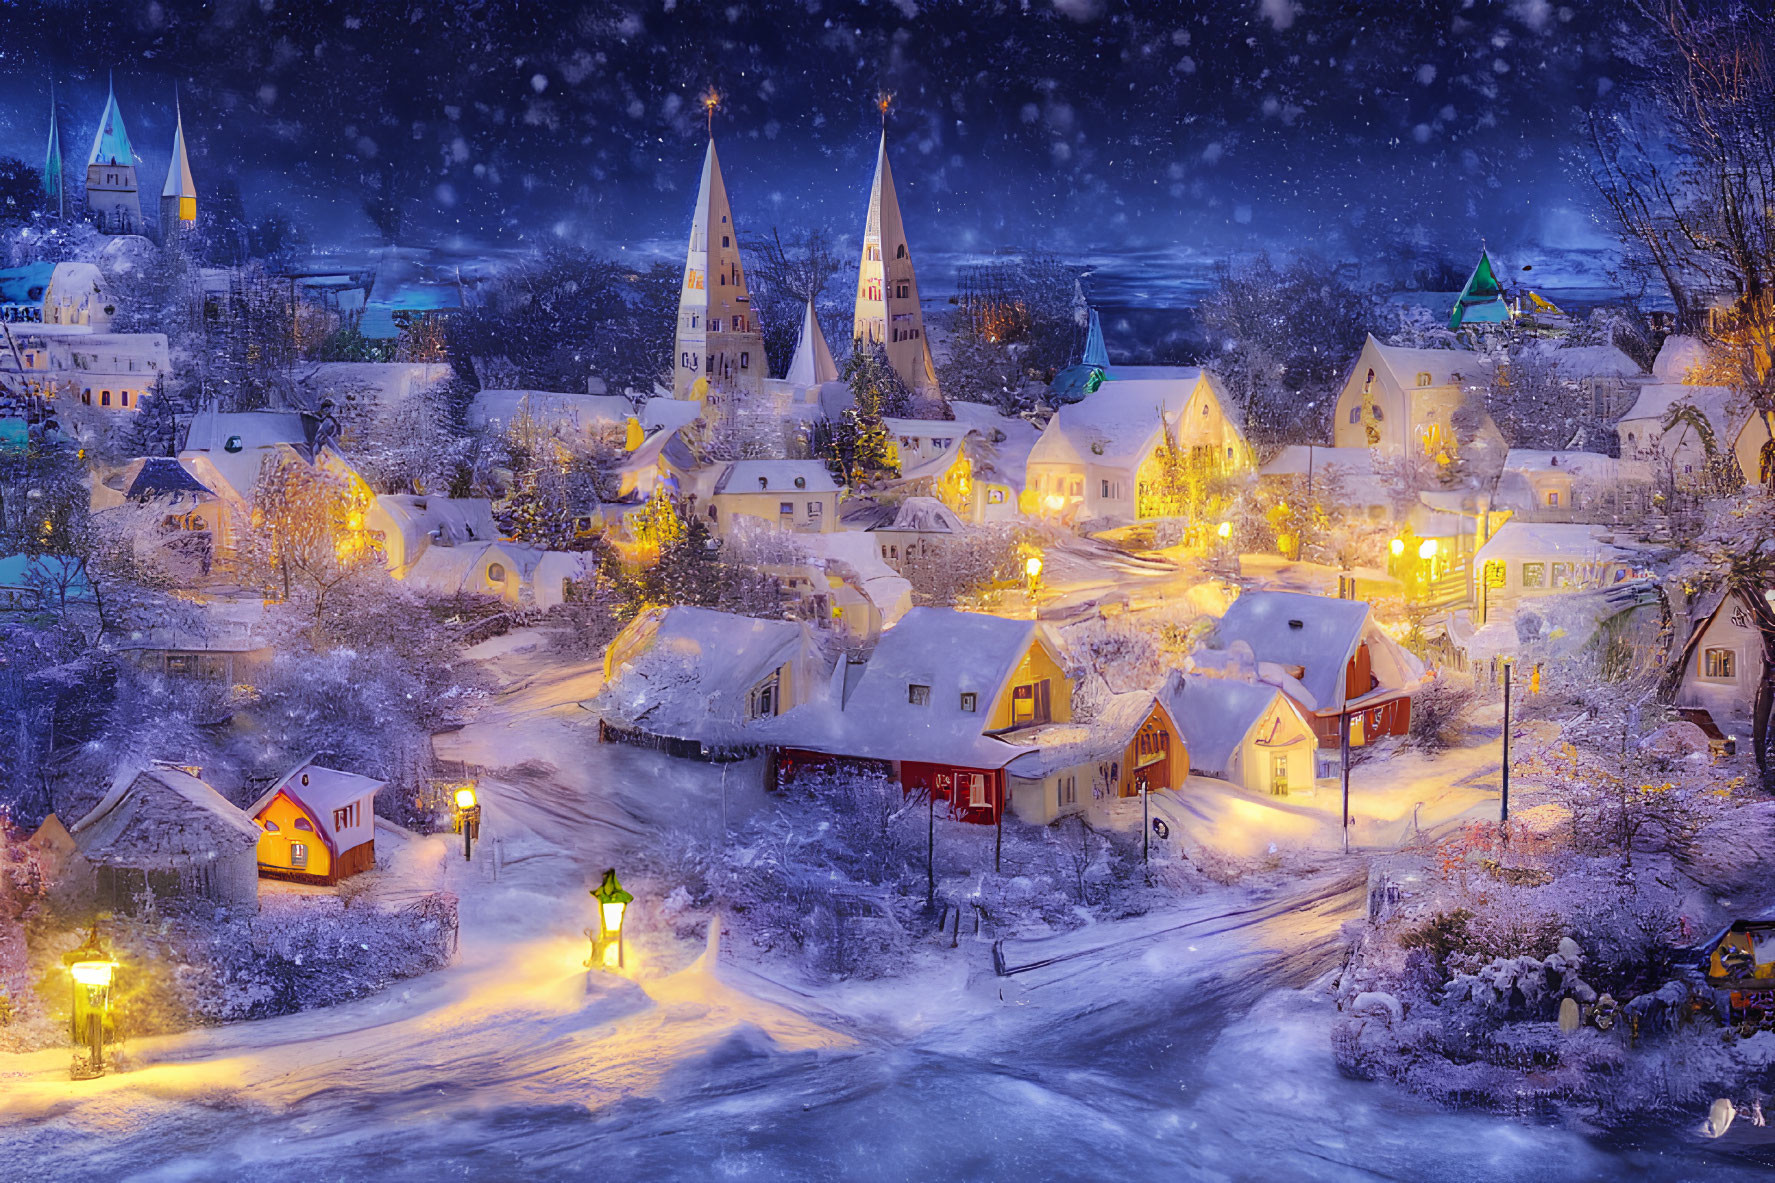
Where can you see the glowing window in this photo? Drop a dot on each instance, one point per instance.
(1719, 663)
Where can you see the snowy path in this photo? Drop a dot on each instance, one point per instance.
(1171, 1046)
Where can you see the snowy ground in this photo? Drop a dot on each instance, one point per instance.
(1188, 1044)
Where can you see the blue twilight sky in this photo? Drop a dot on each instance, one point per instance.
(1157, 137)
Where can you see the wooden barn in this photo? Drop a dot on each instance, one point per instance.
(161, 832)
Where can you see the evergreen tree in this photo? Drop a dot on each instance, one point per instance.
(689, 570)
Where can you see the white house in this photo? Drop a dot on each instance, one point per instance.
(1572, 485)
(108, 370)
(797, 495)
(1397, 398)
(56, 294)
(408, 524)
(1698, 416)
(1723, 660)
(1099, 458)
(694, 676)
(1528, 559)
(1249, 733)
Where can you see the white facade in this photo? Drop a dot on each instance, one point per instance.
(718, 345)
(887, 310)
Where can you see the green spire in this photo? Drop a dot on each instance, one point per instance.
(1482, 300)
(111, 144)
(1096, 353)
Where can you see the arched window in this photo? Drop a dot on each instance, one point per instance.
(303, 824)
(900, 251)
(1355, 414)
(272, 826)
(496, 572)
(104, 398)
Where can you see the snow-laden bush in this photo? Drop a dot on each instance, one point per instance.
(1440, 715)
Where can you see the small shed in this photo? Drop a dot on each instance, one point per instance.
(164, 832)
(316, 825)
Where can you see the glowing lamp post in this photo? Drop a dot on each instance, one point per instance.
(1225, 530)
(468, 817)
(90, 968)
(1032, 574)
(613, 902)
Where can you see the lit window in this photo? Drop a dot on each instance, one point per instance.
(918, 696)
(1719, 663)
(977, 798)
(1423, 378)
(1553, 498)
(1534, 575)
(1562, 575)
(298, 854)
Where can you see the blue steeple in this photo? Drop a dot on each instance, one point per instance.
(111, 144)
(1096, 354)
(52, 157)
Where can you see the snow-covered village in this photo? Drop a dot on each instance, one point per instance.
(827, 590)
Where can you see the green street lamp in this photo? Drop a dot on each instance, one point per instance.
(90, 968)
(613, 902)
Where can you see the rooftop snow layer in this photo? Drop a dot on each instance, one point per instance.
(776, 476)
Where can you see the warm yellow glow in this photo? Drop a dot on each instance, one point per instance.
(465, 798)
(92, 973)
(610, 956)
(611, 914)
(1398, 546)
(1032, 566)
(1225, 530)
(1284, 542)
(1054, 501)
(355, 521)
(1427, 549)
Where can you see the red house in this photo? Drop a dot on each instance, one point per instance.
(945, 701)
(1329, 657)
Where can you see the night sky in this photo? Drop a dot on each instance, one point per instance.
(1164, 135)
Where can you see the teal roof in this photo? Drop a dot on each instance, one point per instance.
(52, 158)
(15, 435)
(25, 285)
(1096, 354)
(1073, 383)
(1482, 300)
(111, 144)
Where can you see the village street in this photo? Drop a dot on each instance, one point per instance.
(1186, 1044)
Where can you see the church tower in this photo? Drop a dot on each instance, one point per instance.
(112, 201)
(178, 198)
(720, 347)
(887, 291)
(54, 187)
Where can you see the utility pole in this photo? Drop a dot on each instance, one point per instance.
(1344, 745)
(1146, 828)
(1504, 799)
(998, 837)
(930, 849)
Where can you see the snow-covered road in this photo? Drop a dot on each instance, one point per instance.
(1177, 1046)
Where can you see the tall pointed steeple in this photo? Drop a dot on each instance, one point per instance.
(178, 198)
(54, 187)
(1096, 353)
(813, 364)
(887, 290)
(112, 201)
(719, 344)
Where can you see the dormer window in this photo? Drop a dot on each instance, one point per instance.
(801, 482)
(1423, 378)
(764, 482)
(233, 444)
(917, 695)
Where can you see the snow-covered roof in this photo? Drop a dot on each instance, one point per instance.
(447, 570)
(1304, 644)
(1557, 540)
(1588, 361)
(235, 445)
(1215, 715)
(319, 788)
(923, 428)
(1006, 460)
(1189, 375)
(1446, 367)
(926, 515)
(669, 413)
(854, 557)
(776, 476)
(447, 521)
(1592, 466)
(952, 653)
(1679, 356)
(687, 672)
(387, 381)
(1300, 459)
(589, 413)
(1654, 402)
(155, 817)
(1114, 425)
(1060, 746)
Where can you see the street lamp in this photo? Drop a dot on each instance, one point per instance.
(613, 902)
(1427, 549)
(1504, 797)
(1225, 530)
(1032, 572)
(1397, 546)
(90, 968)
(468, 819)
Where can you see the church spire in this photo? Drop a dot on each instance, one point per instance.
(888, 310)
(113, 203)
(813, 364)
(178, 198)
(53, 186)
(111, 144)
(719, 345)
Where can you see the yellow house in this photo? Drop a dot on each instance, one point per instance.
(1397, 398)
(1248, 733)
(317, 825)
(795, 495)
